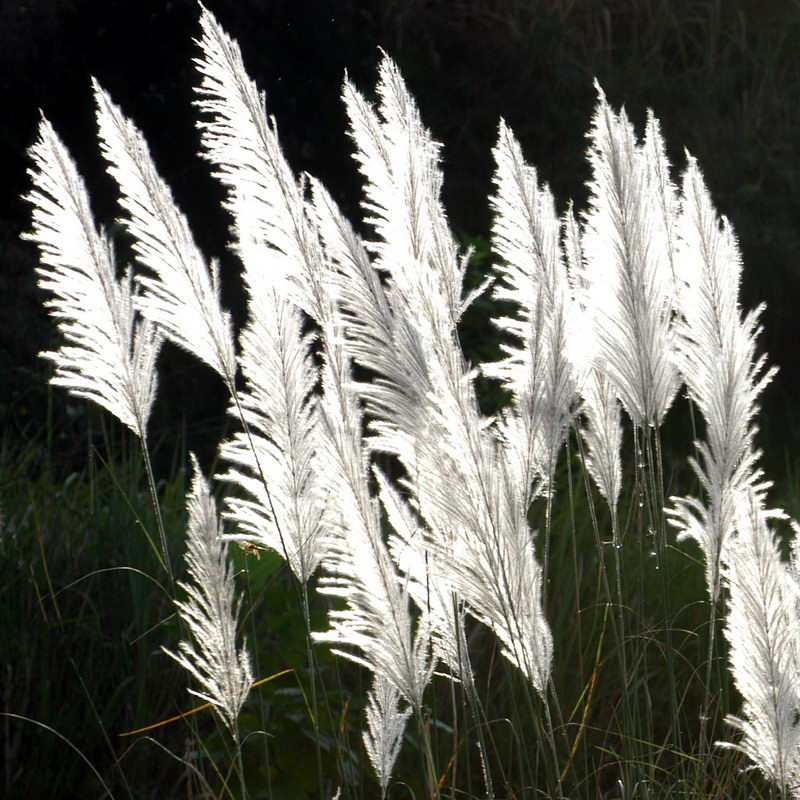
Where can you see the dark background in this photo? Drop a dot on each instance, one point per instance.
(722, 75)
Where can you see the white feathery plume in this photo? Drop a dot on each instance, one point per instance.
(602, 435)
(661, 187)
(380, 336)
(386, 723)
(473, 508)
(273, 224)
(414, 248)
(474, 501)
(399, 161)
(181, 297)
(627, 267)
(716, 355)
(532, 275)
(211, 611)
(602, 432)
(273, 462)
(376, 625)
(269, 221)
(109, 357)
(762, 628)
(428, 587)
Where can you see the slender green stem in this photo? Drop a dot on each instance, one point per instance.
(313, 679)
(659, 519)
(628, 741)
(454, 740)
(239, 761)
(642, 657)
(257, 663)
(702, 760)
(148, 467)
(428, 761)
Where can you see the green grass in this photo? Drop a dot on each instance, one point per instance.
(84, 619)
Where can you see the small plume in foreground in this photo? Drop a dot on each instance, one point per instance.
(211, 611)
(762, 628)
(386, 723)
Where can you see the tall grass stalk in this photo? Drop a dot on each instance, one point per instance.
(616, 598)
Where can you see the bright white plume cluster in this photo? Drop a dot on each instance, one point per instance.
(475, 545)
(288, 268)
(612, 309)
(627, 247)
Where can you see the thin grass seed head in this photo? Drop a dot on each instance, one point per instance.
(716, 355)
(108, 356)
(381, 335)
(763, 630)
(399, 161)
(210, 611)
(181, 294)
(386, 719)
(273, 460)
(628, 270)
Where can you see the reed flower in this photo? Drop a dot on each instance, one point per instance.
(181, 293)
(532, 275)
(763, 632)
(716, 355)
(383, 735)
(471, 496)
(108, 355)
(288, 270)
(211, 610)
(627, 251)
(611, 309)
